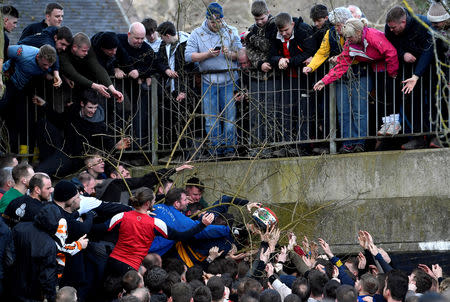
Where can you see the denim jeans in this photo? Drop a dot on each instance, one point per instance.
(220, 113)
(351, 100)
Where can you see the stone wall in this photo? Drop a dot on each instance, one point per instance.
(402, 197)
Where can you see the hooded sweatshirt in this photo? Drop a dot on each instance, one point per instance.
(203, 39)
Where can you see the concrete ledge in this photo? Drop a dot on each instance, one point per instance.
(401, 196)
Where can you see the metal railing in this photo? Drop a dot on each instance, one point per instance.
(270, 111)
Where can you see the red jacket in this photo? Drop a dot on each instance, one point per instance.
(375, 49)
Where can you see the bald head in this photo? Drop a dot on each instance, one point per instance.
(136, 34)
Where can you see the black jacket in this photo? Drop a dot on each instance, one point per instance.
(74, 269)
(181, 66)
(414, 39)
(35, 268)
(83, 71)
(116, 190)
(33, 29)
(23, 209)
(81, 133)
(142, 59)
(109, 63)
(301, 46)
(45, 37)
(6, 243)
(318, 34)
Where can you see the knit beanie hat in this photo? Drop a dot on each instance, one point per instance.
(437, 12)
(339, 15)
(64, 190)
(108, 40)
(214, 9)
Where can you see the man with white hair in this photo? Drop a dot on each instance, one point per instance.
(356, 11)
(66, 294)
(6, 180)
(21, 174)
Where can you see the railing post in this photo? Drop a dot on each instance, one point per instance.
(332, 111)
(154, 115)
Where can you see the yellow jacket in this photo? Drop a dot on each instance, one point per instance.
(324, 51)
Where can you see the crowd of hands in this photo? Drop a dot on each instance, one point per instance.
(275, 255)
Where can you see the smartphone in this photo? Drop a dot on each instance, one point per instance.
(217, 48)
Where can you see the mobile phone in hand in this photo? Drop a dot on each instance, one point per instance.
(217, 48)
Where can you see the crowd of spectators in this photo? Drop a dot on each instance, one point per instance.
(107, 236)
(279, 56)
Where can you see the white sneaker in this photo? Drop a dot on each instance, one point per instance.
(394, 128)
(383, 129)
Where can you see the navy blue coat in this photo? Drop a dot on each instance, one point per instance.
(35, 268)
(109, 63)
(38, 40)
(33, 29)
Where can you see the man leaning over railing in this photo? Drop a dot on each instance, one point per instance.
(415, 50)
(81, 69)
(330, 48)
(24, 63)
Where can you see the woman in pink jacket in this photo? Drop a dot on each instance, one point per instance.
(364, 46)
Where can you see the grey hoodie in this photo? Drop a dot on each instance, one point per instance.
(202, 39)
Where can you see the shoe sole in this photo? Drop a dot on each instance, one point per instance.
(432, 145)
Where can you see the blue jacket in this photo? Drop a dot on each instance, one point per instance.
(223, 204)
(180, 222)
(24, 59)
(343, 272)
(416, 40)
(47, 36)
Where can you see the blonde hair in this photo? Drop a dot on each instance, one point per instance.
(352, 26)
(48, 52)
(81, 39)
